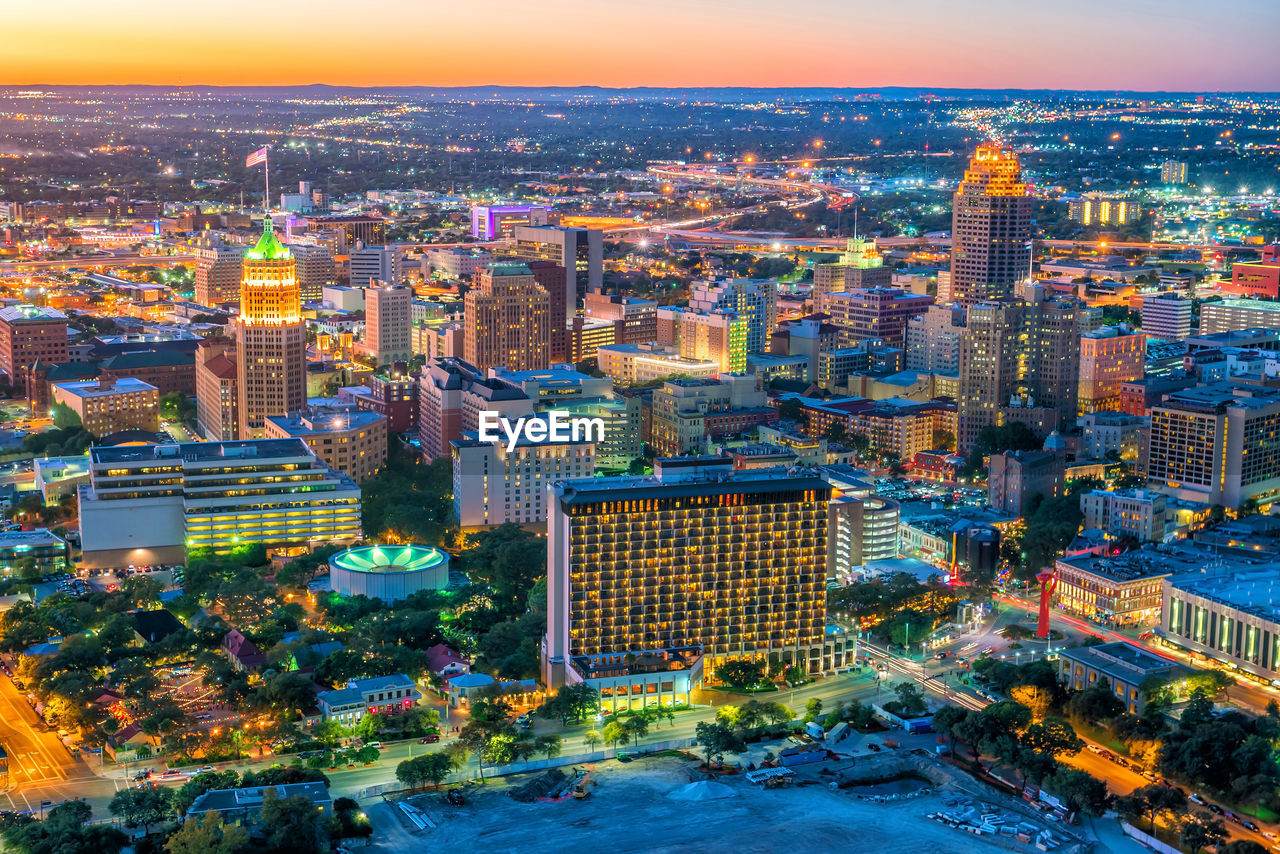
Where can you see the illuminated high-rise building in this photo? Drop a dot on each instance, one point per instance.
(507, 316)
(1020, 361)
(718, 336)
(755, 300)
(271, 336)
(692, 568)
(860, 266)
(990, 228)
(1173, 172)
(1109, 357)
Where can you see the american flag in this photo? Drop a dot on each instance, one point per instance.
(259, 156)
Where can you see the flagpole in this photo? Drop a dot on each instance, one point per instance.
(266, 171)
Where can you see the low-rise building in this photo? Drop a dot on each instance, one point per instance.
(1226, 613)
(44, 551)
(1118, 591)
(244, 806)
(381, 695)
(637, 364)
(1108, 435)
(1120, 665)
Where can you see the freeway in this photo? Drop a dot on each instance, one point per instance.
(95, 262)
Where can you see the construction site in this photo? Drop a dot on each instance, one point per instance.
(893, 802)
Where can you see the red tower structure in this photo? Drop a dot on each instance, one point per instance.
(1048, 583)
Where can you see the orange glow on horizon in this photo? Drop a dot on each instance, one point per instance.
(612, 43)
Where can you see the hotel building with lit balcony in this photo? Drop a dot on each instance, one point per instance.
(695, 565)
(148, 504)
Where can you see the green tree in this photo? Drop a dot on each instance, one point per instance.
(208, 835)
(1081, 791)
(293, 824)
(1201, 831)
(911, 701)
(1094, 705)
(1053, 736)
(142, 807)
(187, 793)
(614, 732)
(549, 745)
(64, 417)
(812, 709)
(636, 727)
(716, 740)
(741, 673)
(592, 738)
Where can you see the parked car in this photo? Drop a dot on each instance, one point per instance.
(1248, 825)
(1195, 798)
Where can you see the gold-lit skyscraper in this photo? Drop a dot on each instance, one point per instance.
(271, 336)
(990, 228)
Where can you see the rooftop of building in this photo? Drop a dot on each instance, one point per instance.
(223, 800)
(148, 359)
(21, 540)
(105, 388)
(1219, 396)
(714, 479)
(200, 451)
(1259, 305)
(1254, 590)
(1120, 660)
(33, 313)
(1147, 562)
(325, 420)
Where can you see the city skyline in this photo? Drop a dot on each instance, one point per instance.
(147, 43)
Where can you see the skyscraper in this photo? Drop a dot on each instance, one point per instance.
(271, 336)
(755, 301)
(579, 250)
(1019, 361)
(507, 319)
(990, 228)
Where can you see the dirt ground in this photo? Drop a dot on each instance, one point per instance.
(629, 811)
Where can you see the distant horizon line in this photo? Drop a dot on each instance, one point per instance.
(561, 87)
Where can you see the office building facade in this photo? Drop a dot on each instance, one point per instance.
(580, 251)
(1109, 357)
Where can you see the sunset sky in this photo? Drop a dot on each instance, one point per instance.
(1188, 45)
